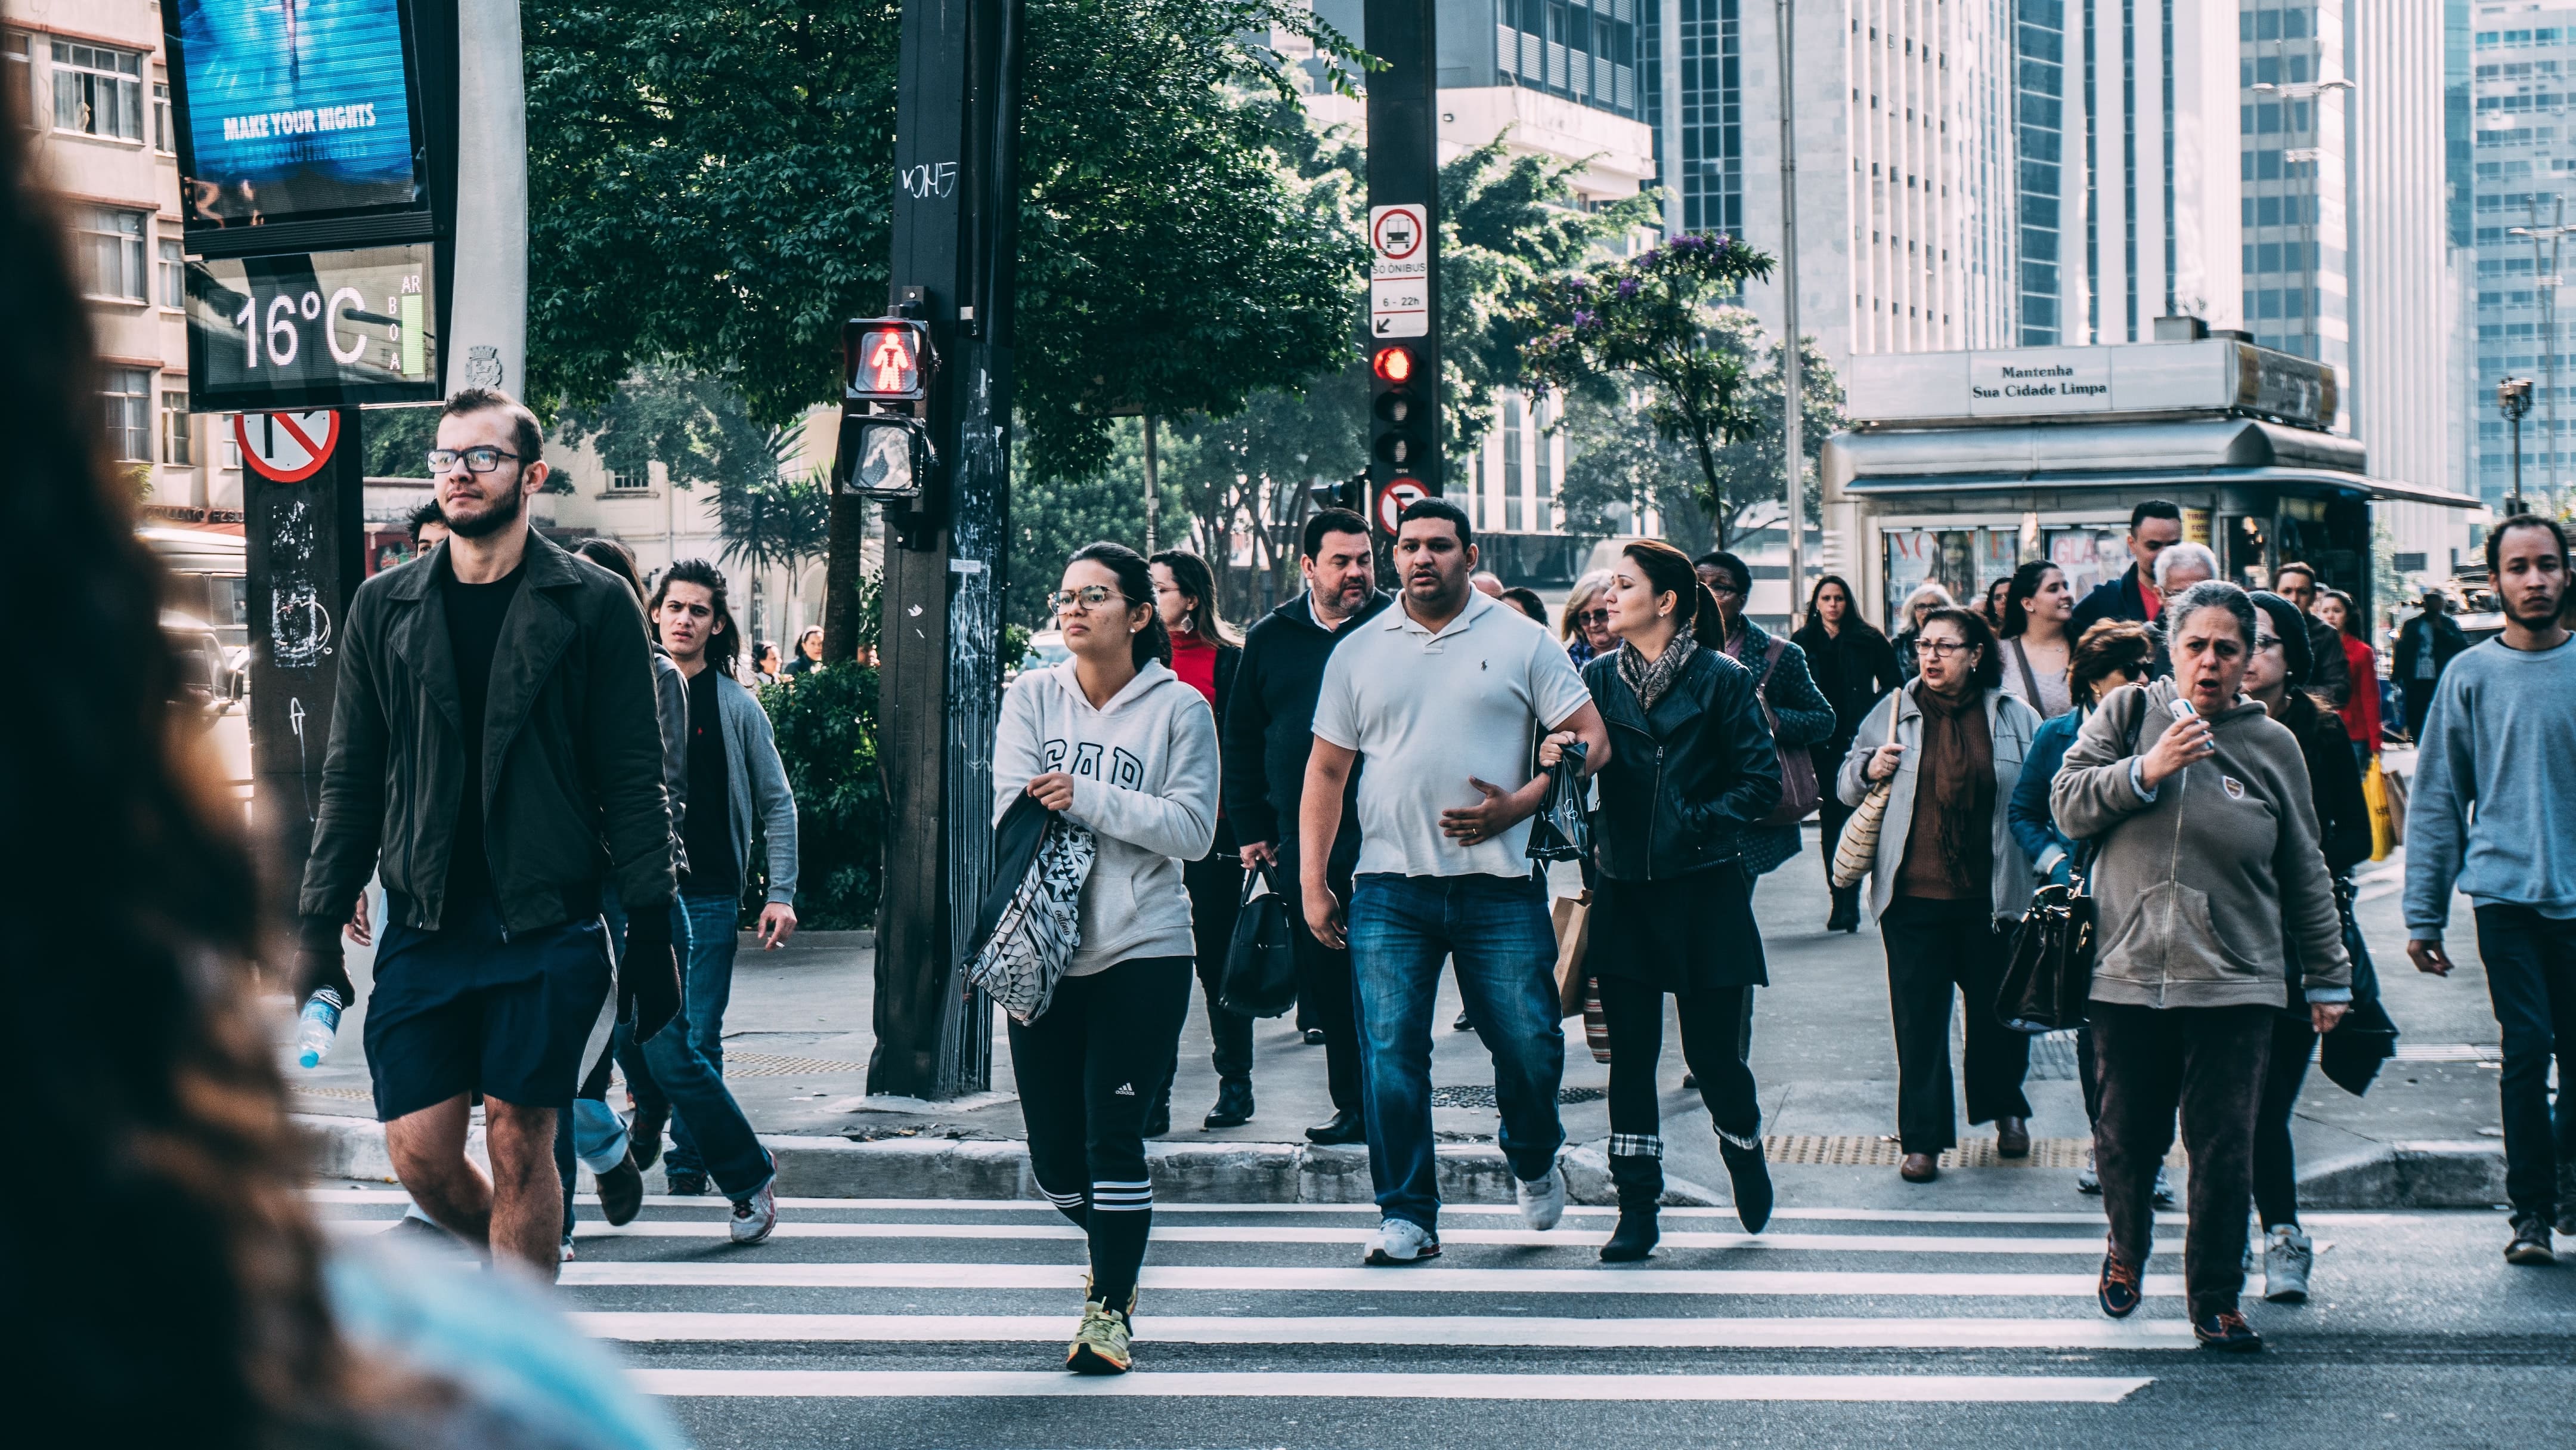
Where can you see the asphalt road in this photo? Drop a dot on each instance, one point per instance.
(937, 1324)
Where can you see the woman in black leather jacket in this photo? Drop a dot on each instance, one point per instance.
(1692, 767)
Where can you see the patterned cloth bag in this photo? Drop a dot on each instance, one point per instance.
(1033, 940)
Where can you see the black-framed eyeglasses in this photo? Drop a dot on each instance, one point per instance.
(1941, 648)
(1089, 596)
(479, 459)
(1594, 616)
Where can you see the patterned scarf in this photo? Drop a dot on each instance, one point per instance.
(1651, 681)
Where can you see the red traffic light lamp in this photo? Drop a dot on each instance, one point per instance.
(1393, 365)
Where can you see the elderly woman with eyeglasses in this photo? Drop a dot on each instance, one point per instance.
(1948, 875)
(2209, 876)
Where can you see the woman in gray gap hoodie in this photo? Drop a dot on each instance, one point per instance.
(1116, 742)
(2200, 804)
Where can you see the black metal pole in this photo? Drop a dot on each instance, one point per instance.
(305, 554)
(1404, 170)
(955, 228)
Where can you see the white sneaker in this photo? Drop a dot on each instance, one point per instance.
(2287, 1258)
(755, 1216)
(1401, 1241)
(1543, 1200)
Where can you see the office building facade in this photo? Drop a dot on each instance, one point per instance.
(2523, 145)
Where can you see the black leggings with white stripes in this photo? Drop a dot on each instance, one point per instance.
(1088, 1069)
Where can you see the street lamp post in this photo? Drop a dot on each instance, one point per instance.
(2547, 282)
(2513, 398)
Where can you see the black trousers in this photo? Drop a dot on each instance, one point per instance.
(1088, 1069)
(1326, 997)
(2418, 696)
(1936, 949)
(2531, 977)
(1215, 884)
(2276, 1167)
(1710, 1021)
(1833, 814)
(2207, 1063)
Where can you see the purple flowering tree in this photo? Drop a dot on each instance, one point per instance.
(1650, 322)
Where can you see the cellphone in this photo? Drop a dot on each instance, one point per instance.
(2182, 708)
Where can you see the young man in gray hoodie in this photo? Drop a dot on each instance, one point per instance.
(2501, 736)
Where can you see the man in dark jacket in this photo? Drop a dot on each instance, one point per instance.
(2425, 645)
(2329, 676)
(1269, 731)
(2152, 526)
(494, 758)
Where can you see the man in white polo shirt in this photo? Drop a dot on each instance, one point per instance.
(1442, 696)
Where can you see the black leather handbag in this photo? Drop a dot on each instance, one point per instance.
(2050, 975)
(1261, 962)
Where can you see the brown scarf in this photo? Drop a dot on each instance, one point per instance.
(1949, 854)
(1651, 681)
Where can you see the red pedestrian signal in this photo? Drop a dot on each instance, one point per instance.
(1394, 365)
(886, 360)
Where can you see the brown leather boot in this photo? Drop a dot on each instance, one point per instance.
(1919, 1168)
(2012, 1137)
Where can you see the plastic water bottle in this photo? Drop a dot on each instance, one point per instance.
(317, 1027)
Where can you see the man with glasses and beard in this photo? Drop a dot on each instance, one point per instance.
(495, 756)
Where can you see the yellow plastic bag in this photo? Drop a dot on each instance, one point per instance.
(2383, 820)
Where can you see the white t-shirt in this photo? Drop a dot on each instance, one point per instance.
(1425, 711)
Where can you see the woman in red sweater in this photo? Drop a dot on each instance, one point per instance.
(2361, 712)
(1204, 652)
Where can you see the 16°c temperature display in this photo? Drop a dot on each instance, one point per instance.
(312, 330)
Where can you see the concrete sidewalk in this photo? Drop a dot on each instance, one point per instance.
(797, 1042)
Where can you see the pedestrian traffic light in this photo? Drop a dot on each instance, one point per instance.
(885, 451)
(1340, 493)
(1399, 433)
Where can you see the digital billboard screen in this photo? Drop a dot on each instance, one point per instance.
(296, 110)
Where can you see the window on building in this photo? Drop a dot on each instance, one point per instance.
(97, 91)
(178, 429)
(128, 393)
(165, 131)
(629, 482)
(174, 274)
(111, 253)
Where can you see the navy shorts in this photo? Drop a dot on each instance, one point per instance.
(462, 1009)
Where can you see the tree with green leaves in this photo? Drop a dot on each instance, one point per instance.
(1618, 461)
(1654, 323)
(710, 189)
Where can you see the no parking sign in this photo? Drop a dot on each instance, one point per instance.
(287, 447)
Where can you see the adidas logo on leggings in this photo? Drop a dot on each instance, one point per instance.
(1125, 1090)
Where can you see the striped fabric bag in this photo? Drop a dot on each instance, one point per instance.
(1857, 850)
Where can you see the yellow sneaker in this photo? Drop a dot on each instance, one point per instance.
(1101, 1345)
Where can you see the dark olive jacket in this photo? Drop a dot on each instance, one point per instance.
(1684, 779)
(572, 751)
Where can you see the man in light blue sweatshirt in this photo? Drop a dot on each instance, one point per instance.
(2501, 739)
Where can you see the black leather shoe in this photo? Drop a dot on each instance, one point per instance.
(1314, 1037)
(1846, 912)
(644, 1135)
(1750, 1177)
(621, 1191)
(1233, 1104)
(1342, 1127)
(2012, 1137)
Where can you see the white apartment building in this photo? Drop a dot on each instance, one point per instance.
(88, 81)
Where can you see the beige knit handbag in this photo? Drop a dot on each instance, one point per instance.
(1857, 850)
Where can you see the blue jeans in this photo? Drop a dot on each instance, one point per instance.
(1497, 929)
(706, 987)
(674, 1069)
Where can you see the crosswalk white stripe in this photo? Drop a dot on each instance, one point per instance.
(1418, 1330)
(1277, 1234)
(327, 1196)
(1906, 1388)
(772, 1274)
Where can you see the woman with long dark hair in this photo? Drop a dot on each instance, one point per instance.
(1948, 875)
(2036, 650)
(2276, 674)
(2360, 714)
(1114, 742)
(208, 1309)
(1854, 667)
(1691, 767)
(1204, 654)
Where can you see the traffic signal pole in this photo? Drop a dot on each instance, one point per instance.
(955, 226)
(1404, 246)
